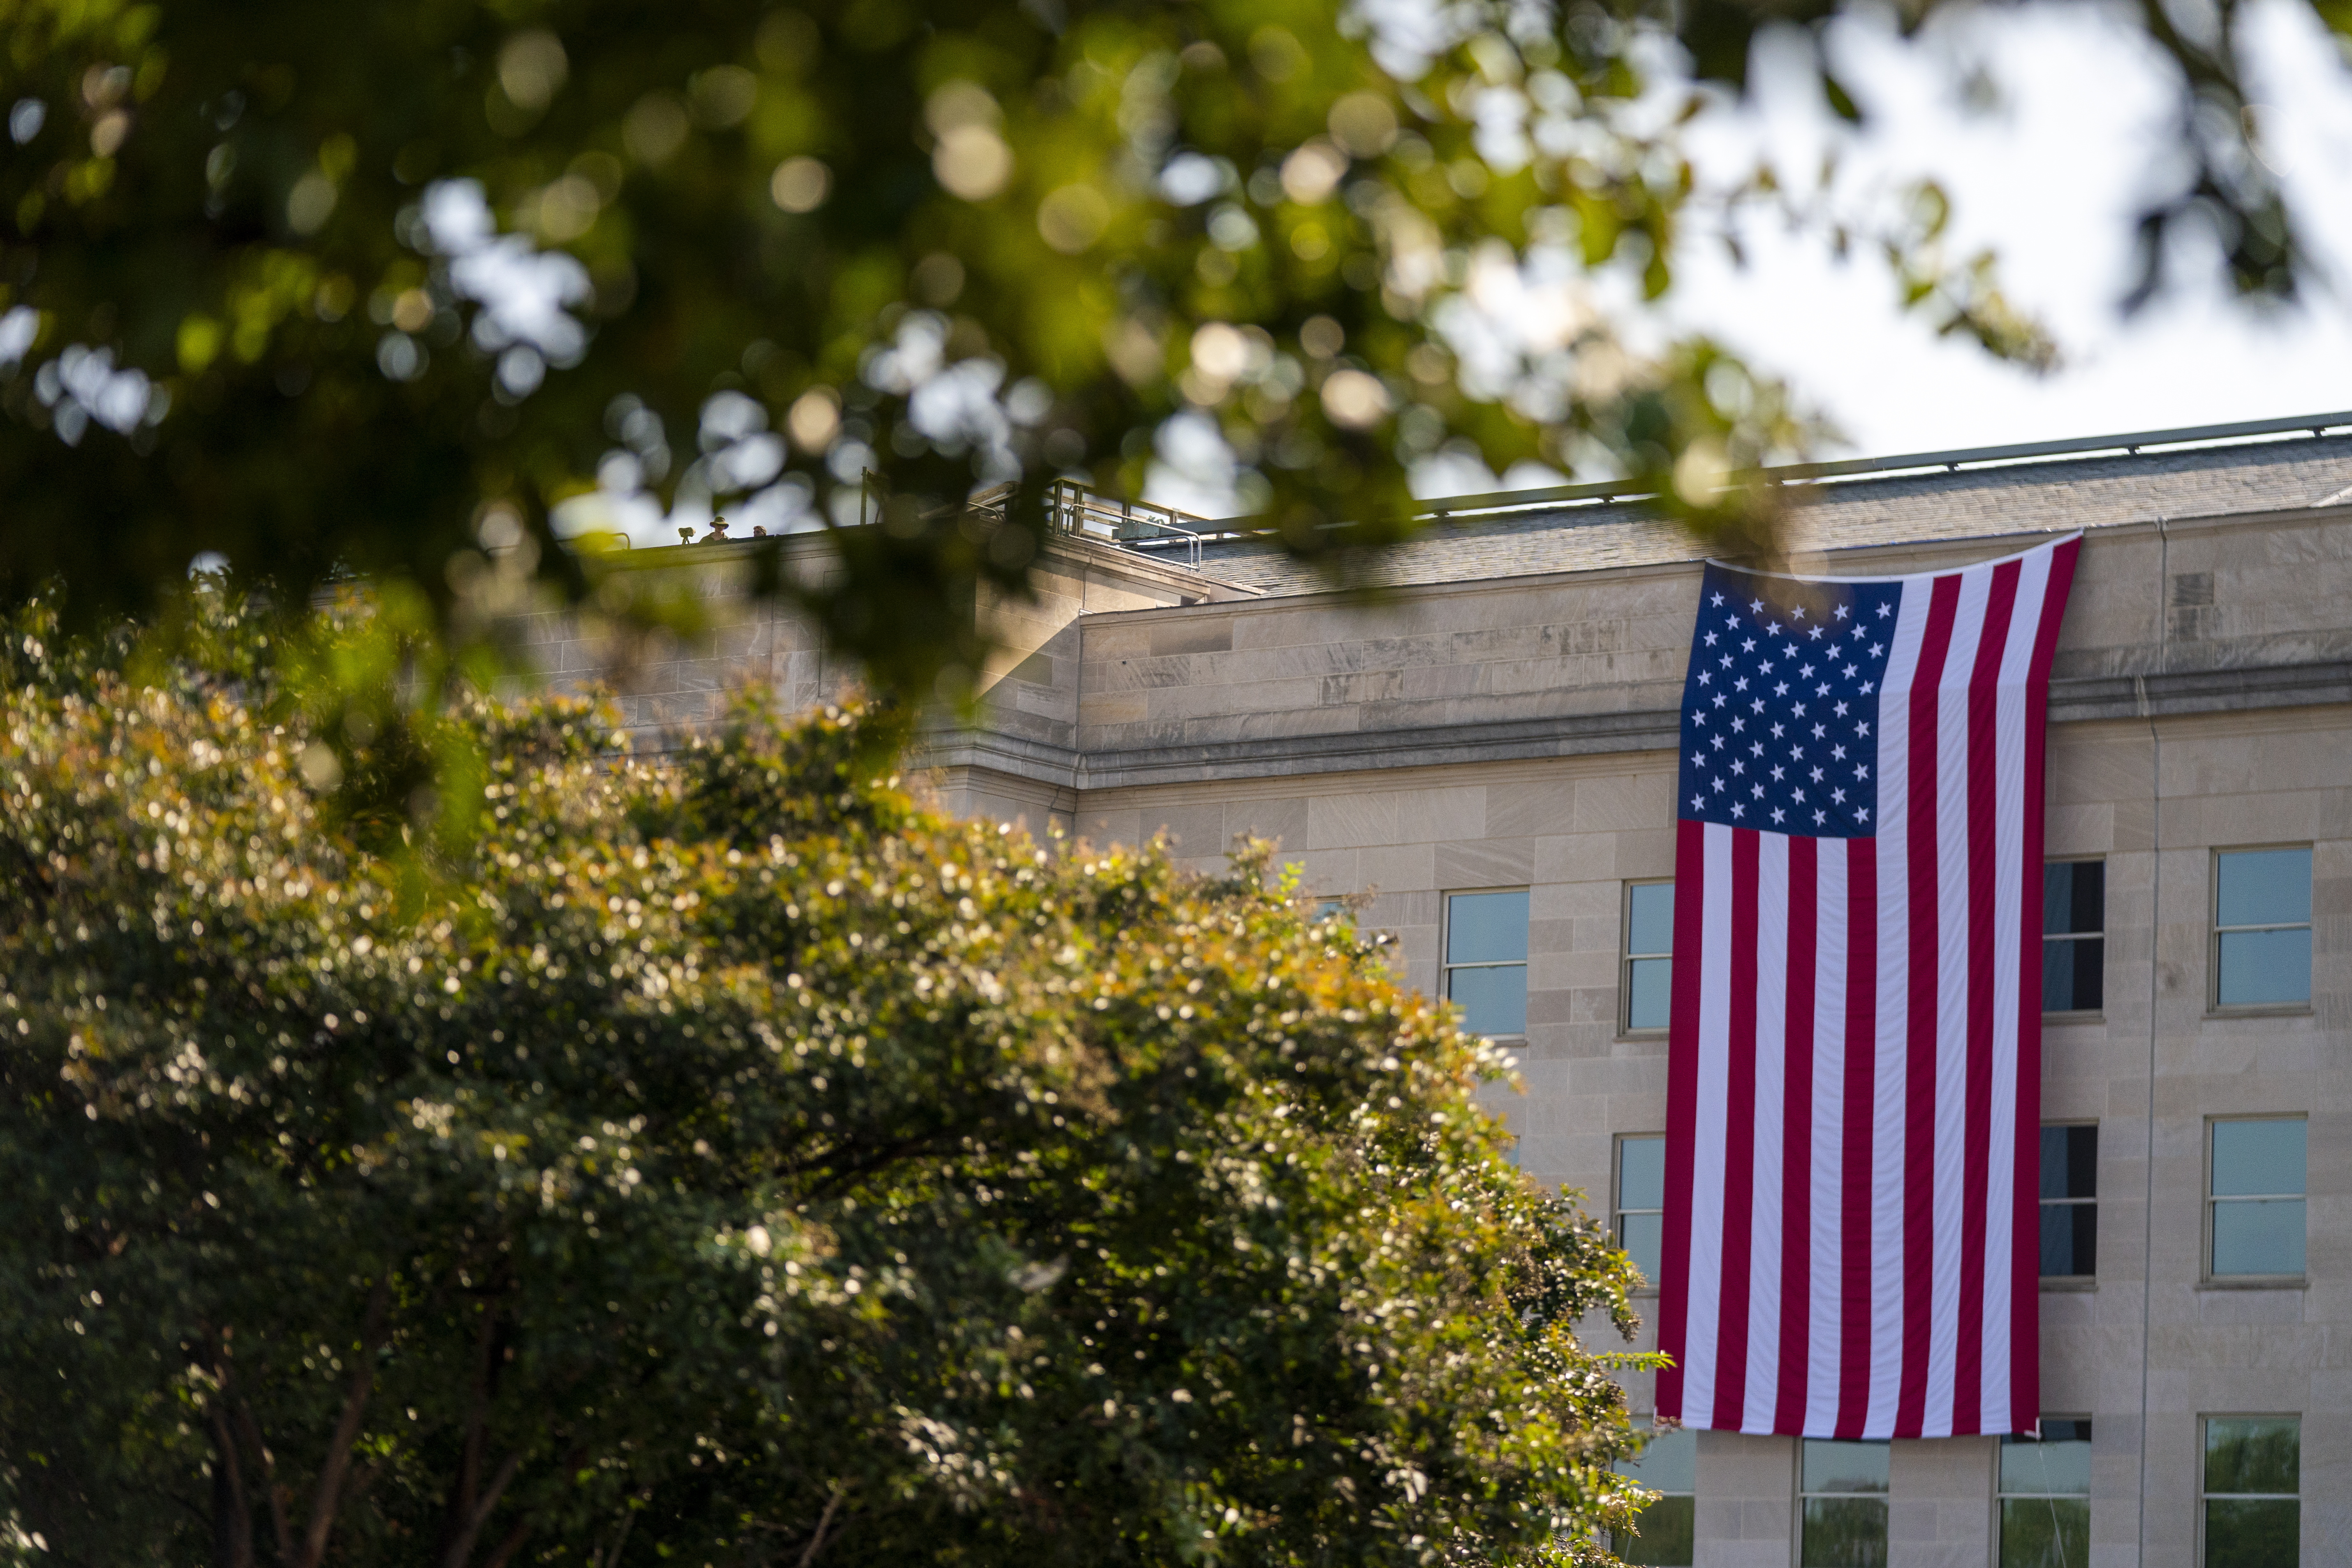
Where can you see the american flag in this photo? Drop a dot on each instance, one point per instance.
(1854, 1091)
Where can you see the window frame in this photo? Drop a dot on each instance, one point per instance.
(1999, 1496)
(2204, 1420)
(1799, 1494)
(2082, 1014)
(2071, 1281)
(1446, 966)
(1617, 1209)
(2206, 1277)
(1626, 957)
(1638, 1418)
(2214, 1006)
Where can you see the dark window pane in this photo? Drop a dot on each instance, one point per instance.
(1642, 1236)
(2245, 1534)
(1650, 918)
(1844, 1532)
(1493, 1001)
(2045, 1532)
(2262, 967)
(2070, 1240)
(1641, 1172)
(2074, 975)
(1651, 1006)
(2258, 1237)
(1831, 1466)
(2073, 896)
(1487, 928)
(2263, 1158)
(2070, 1162)
(1668, 1538)
(2254, 1453)
(2058, 1461)
(2264, 886)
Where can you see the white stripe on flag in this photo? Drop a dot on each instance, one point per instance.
(1763, 1384)
(1824, 1358)
(1952, 999)
(1893, 1004)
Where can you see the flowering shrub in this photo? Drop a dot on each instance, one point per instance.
(722, 1158)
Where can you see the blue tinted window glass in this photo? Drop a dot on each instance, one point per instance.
(1652, 1003)
(2263, 1158)
(1668, 1462)
(2258, 1237)
(2264, 886)
(1642, 1236)
(1487, 928)
(2258, 966)
(1493, 1001)
(1641, 1174)
(2053, 1463)
(1650, 918)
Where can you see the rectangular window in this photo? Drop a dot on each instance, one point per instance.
(1486, 961)
(2074, 939)
(2261, 928)
(1667, 1533)
(1842, 1505)
(1647, 979)
(1641, 1200)
(2255, 1205)
(2070, 1202)
(2253, 1484)
(2044, 1489)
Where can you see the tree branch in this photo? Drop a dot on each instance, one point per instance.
(328, 1499)
(824, 1523)
(232, 1512)
(463, 1547)
(271, 1489)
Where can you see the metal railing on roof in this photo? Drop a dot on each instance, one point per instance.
(1072, 508)
(1950, 461)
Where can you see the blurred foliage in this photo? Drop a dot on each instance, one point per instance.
(720, 1161)
(403, 290)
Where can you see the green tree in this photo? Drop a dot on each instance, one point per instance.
(722, 1161)
(363, 287)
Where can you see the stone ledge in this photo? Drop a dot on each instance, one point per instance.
(2071, 701)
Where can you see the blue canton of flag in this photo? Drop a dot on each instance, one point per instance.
(1781, 708)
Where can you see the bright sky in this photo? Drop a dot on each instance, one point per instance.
(2050, 178)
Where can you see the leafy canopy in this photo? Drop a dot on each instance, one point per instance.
(362, 286)
(724, 1159)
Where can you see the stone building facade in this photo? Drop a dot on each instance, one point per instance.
(1501, 719)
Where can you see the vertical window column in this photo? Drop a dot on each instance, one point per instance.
(1640, 1210)
(1842, 1505)
(2261, 928)
(2253, 1484)
(1667, 1529)
(2070, 1202)
(2044, 1489)
(2073, 936)
(1646, 971)
(2254, 1202)
(1486, 961)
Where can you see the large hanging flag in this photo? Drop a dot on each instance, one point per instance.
(1853, 1092)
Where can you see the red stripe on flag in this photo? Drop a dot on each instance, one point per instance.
(2025, 1251)
(1796, 1139)
(1920, 1076)
(1739, 1142)
(1861, 1108)
(1984, 703)
(1682, 1108)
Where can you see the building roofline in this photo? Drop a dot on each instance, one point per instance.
(1952, 461)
